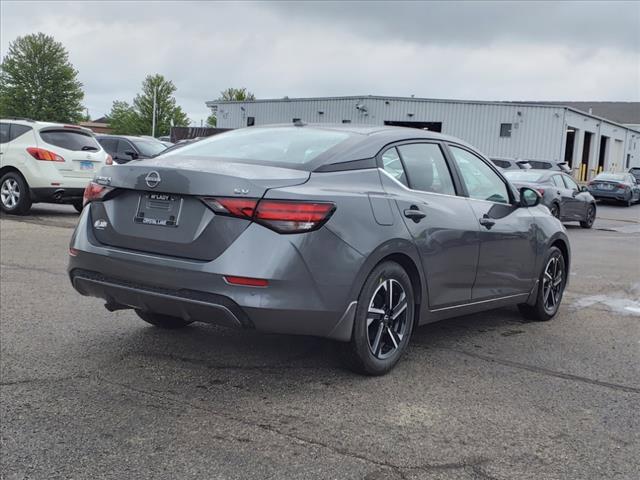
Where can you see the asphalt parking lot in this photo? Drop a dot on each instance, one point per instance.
(90, 394)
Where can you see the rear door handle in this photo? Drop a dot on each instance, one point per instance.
(414, 214)
(487, 222)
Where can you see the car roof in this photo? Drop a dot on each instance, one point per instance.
(36, 123)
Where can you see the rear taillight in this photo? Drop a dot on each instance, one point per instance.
(283, 216)
(622, 186)
(94, 191)
(45, 155)
(540, 191)
(108, 160)
(246, 281)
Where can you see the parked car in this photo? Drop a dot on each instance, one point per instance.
(355, 234)
(45, 162)
(564, 198)
(163, 140)
(510, 164)
(635, 171)
(622, 187)
(124, 148)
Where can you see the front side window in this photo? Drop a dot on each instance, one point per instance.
(481, 181)
(110, 145)
(427, 169)
(76, 141)
(571, 185)
(393, 166)
(149, 148)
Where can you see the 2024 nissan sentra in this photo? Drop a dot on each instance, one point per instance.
(356, 234)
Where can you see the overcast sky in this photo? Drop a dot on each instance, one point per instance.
(466, 50)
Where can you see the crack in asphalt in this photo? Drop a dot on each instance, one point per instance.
(473, 463)
(542, 370)
(15, 266)
(26, 381)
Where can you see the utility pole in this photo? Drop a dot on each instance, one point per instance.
(153, 120)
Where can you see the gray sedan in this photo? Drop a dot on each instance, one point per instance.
(564, 198)
(622, 187)
(358, 234)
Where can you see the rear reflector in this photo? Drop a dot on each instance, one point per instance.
(45, 155)
(283, 216)
(246, 281)
(94, 191)
(73, 252)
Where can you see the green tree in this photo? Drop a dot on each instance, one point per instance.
(231, 95)
(37, 81)
(137, 119)
(236, 95)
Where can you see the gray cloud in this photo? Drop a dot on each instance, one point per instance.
(497, 50)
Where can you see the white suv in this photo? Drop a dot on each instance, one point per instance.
(46, 162)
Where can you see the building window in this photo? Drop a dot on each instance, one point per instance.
(251, 121)
(295, 120)
(346, 121)
(505, 129)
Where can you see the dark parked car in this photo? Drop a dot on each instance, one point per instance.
(356, 234)
(124, 148)
(635, 171)
(622, 187)
(565, 199)
(510, 164)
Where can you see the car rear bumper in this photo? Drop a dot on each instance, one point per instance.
(295, 301)
(604, 195)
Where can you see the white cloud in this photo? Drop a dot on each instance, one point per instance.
(316, 50)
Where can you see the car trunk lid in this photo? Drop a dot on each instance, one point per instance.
(156, 206)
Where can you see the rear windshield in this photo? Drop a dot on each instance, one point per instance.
(523, 176)
(70, 140)
(149, 148)
(294, 145)
(611, 176)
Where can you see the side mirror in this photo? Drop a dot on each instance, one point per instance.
(132, 154)
(529, 197)
(583, 188)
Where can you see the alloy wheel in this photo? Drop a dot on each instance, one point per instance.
(387, 321)
(591, 214)
(10, 193)
(552, 284)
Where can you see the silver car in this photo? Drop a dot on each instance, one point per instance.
(358, 234)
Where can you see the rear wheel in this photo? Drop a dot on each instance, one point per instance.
(550, 288)
(162, 321)
(384, 321)
(14, 194)
(590, 217)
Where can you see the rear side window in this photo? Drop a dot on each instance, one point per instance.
(109, 144)
(571, 185)
(393, 166)
(557, 181)
(4, 132)
(540, 165)
(501, 163)
(426, 168)
(17, 131)
(70, 140)
(294, 145)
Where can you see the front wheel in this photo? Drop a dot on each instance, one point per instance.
(384, 321)
(590, 217)
(162, 321)
(550, 288)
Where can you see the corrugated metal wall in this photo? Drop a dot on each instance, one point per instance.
(538, 132)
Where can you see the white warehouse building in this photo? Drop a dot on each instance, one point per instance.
(509, 130)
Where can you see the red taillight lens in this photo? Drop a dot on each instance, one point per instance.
(287, 216)
(540, 191)
(283, 216)
(108, 160)
(622, 186)
(45, 155)
(94, 191)
(246, 281)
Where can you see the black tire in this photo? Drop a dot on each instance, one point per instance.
(375, 330)
(541, 311)
(12, 184)
(77, 204)
(590, 218)
(555, 210)
(163, 321)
